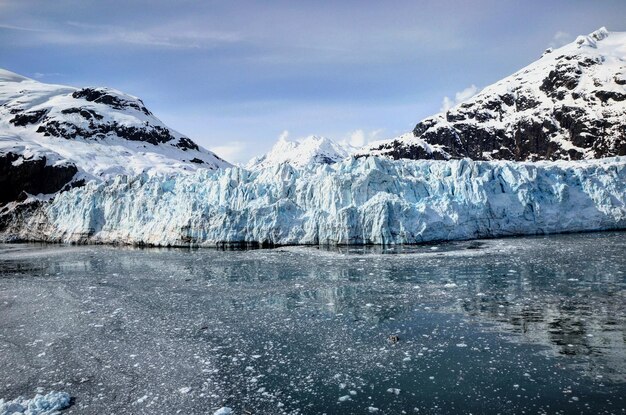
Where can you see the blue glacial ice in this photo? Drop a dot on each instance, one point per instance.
(47, 404)
(357, 201)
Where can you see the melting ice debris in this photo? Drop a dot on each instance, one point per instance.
(359, 201)
(39, 405)
(224, 411)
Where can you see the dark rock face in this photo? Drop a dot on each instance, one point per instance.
(149, 134)
(85, 113)
(398, 150)
(27, 118)
(98, 128)
(13, 219)
(31, 176)
(106, 97)
(186, 144)
(565, 75)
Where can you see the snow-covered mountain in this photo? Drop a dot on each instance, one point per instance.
(570, 104)
(356, 201)
(310, 151)
(54, 135)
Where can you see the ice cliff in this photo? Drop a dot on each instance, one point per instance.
(356, 201)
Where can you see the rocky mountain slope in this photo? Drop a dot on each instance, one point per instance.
(568, 105)
(310, 151)
(53, 137)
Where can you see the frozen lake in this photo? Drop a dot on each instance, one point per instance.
(533, 325)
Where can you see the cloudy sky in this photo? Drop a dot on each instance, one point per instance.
(236, 75)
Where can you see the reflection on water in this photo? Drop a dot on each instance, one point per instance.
(522, 324)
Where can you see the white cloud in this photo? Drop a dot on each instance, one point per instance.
(560, 38)
(284, 135)
(40, 75)
(231, 152)
(175, 35)
(459, 97)
(19, 28)
(359, 138)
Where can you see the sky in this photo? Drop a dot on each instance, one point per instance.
(236, 75)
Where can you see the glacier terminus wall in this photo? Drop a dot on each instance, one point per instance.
(357, 201)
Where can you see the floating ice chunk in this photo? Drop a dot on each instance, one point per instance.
(142, 399)
(39, 405)
(223, 411)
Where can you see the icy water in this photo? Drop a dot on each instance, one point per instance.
(519, 325)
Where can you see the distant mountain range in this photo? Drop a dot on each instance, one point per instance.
(301, 153)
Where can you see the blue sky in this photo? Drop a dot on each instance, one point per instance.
(235, 75)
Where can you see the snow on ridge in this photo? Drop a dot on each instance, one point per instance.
(8, 76)
(534, 73)
(48, 404)
(568, 104)
(356, 201)
(593, 37)
(309, 151)
(103, 131)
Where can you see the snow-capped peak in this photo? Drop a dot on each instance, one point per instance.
(569, 104)
(102, 131)
(300, 153)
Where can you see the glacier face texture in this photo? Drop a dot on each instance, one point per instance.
(357, 201)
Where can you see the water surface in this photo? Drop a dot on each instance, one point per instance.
(533, 325)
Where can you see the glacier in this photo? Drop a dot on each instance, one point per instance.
(369, 200)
